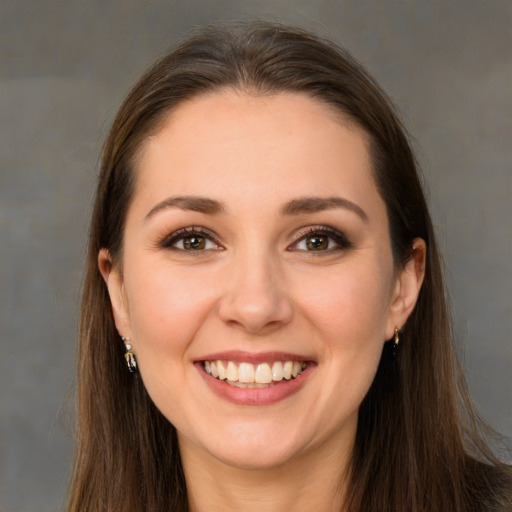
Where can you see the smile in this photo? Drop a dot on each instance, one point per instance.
(248, 375)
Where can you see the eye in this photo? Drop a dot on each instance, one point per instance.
(321, 240)
(191, 240)
(195, 243)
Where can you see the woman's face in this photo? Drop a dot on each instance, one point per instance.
(257, 245)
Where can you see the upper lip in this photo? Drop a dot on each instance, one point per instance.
(253, 357)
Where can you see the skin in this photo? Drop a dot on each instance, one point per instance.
(257, 287)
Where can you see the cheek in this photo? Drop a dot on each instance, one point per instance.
(166, 308)
(162, 294)
(342, 312)
(350, 304)
(347, 312)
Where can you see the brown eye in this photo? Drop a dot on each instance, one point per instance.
(194, 243)
(317, 243)
(321, 239)
(191, 240)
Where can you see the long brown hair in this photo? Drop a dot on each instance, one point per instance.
(418, 445)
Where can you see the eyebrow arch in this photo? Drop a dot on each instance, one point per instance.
(294, 207)
(190, 203)
(318, 204)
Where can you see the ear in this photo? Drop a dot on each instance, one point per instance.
(407, 287)
(114, 281)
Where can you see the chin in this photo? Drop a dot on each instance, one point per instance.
(256, 449)
(253, 459)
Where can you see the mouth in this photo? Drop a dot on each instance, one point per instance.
(249, 375)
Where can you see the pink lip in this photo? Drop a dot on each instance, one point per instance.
(255, 396)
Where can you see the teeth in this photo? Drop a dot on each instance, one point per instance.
(287, 370)
(250, 385)
(232, 372)
(221, 370)
(297, 368)
(263, 374)
(277, 371)
(245, 373)
(254, 376)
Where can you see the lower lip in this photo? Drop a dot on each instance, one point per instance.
(255, 396)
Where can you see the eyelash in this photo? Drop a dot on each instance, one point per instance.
(339, 238)
(182, 234)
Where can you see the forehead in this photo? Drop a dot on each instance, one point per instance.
(236, 141)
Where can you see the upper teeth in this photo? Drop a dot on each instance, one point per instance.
(262, 373)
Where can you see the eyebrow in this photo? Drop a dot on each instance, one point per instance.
(302, 205)
(318, 204)
(190, 203)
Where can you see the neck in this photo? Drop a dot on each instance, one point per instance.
(302, 484)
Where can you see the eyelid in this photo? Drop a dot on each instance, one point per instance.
(169, 240)
(341, 240)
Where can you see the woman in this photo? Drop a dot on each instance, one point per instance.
(264, 324)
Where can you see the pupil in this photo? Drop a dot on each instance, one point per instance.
(194, 242)
(317, 242)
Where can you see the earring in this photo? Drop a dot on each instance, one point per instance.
(396, 341)
(397, 338)
(129, 356)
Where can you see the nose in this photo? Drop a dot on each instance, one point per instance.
(255, 298)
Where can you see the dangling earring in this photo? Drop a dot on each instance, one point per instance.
(129, 356)
(396, 341)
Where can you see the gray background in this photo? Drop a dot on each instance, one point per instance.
(64, 68)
